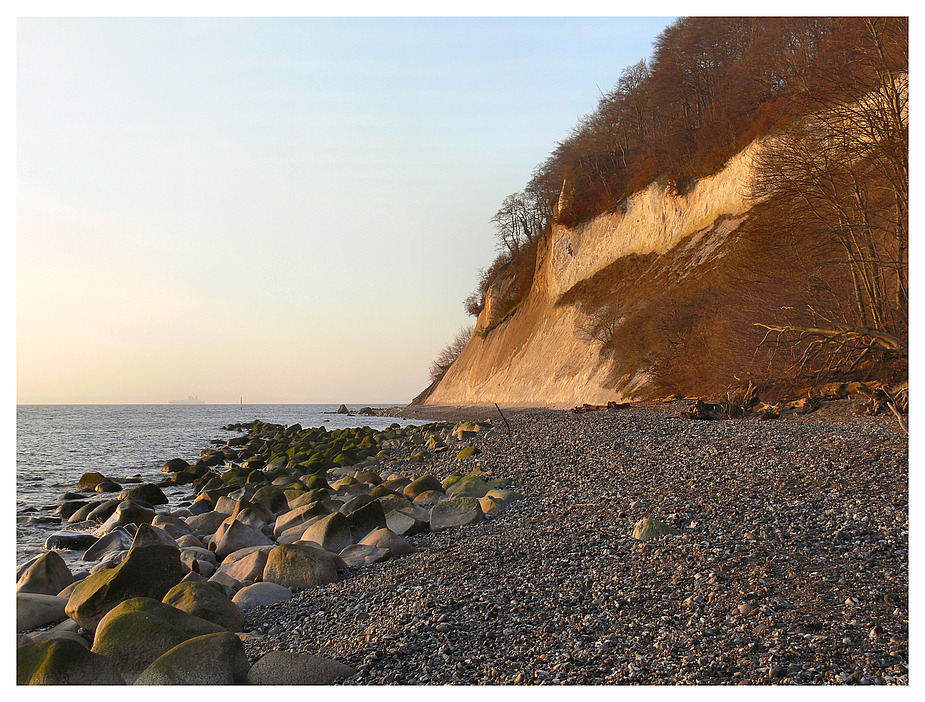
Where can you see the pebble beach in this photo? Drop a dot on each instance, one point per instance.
(789, 564)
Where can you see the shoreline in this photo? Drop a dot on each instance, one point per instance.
(777, 529)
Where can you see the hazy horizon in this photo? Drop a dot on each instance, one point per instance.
(283, 208)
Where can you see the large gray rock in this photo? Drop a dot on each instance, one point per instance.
(331, 532)
(206, 602)
(146, 492)
(34, 609)
(63, 662)
(242, 566)
(48, 575)
(287, 668)
(145, 572)
(357, 555)
(70, 541)
(299, 566)
(388, 539)
(455, 512)
(128, 512)
(404, 524)
(138, 631)
(207, 523)
(422, 484)
(259, 594)
(212, 659)
(113, 542)
(365, 519)
(299, 515)
(233, 535)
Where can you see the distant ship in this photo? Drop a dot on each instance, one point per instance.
(190, 400)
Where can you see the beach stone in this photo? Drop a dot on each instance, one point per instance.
(332, 533)
(272, 499)
(128, 512)
(89, 481)
(173, 525)
(299, 566)
(249, 566)
(288, 668)
(212, 659)
(189, 541)
(357, 555)
(469, 486)
(206, 602)
(397, 484)
(299, 515)
(175, 465)
(504, 496)
(355, 503)
(294, 534)
(646, 529)
(139, 630)
(394, 501)
(113, 542)
(199, 560)
(101, 512)
(48, 575)
(35, 609)
(146, 492)
(107, 486)
(367, 518)
(421, 484)
(63, 662)
(69, 541)
(454, 512)
(110, 560)
(259, 594)
(67, 508)
(467, 452)
(65, 630)
(427, 499)
(388, 539)
(148, 535)
(233, 535)
(145, 572)
(403, 523)
(369, 476)
(207, 523)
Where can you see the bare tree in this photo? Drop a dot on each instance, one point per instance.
(450, 353)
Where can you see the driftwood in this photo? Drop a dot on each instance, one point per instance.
(596, 408)
(510, 437)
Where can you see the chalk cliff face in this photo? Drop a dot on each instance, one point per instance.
(547, 352)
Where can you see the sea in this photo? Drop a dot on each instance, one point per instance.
(56, 444)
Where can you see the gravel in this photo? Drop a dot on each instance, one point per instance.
(790, 564)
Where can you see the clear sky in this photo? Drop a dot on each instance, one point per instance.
(279, 209)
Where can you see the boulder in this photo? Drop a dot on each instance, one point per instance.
(175, 526)
(34, 609)
(147, 535)
(145, 572)
(113, 542)
(388, 539)
(138, 631)
(128, 512)
(299, 566)
(332, 533)
(259, 594)
(89, 481)
(299, 515)
(69, 541)
(48, 575)
(428, 498)
(63, 662)
(404, 524)
(147, 493)
(454, 512)
(100, 512)
(365, 519)
(342, 410)
(272, 499)
(422, 484)
(107, 486)
(233, 535)
(470, 486)
(646, 529)
(287, 668)
(212, 659)
(198, 560)
(68, 507)
(467, 453)
(207, 523)
(357, 555)
(206, 602)
(234, 572)
(175, 465)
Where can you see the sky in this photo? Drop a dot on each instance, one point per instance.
(279, 209)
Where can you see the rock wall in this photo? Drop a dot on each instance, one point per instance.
(541, 354)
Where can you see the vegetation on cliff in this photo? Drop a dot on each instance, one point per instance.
(815, 282)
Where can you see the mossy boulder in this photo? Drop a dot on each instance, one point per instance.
(289, 668)
(468, 452)
(89, 481)
(145, 572)
(332, 532)
(299, 566)
(206, 602)
(646, 529)
(421, 484)
(211, 659)
(138, 631)
(455, 512)
(48, 574)
(63, 662)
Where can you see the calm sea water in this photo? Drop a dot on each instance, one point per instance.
(56, 444)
